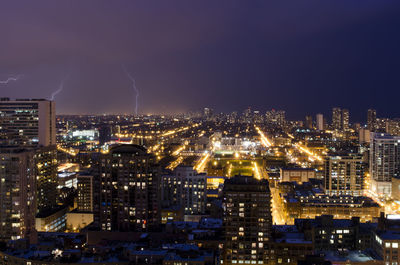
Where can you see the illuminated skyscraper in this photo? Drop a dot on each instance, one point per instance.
(371, 120)
(337, 118)
(275, 117)
(364, 136)
(185, 188)
(127, 189)
(345, 119)
(85, 192)
(247, 221)
(320, 122)
(384, 162)
(344, 175)
(27, 122)
(309, 122)
(207, 112)
(17, 194)
(46, 175)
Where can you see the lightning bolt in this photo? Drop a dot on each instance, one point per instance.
(60, 88)
(10, 79)
(134, 88)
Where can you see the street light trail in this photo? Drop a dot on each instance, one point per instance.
(264, 139)
(308, 152)
(256, 170)
(180, 149)
(202, 162)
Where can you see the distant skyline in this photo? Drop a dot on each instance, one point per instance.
(304, 57)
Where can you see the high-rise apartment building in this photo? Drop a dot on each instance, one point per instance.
(258, 117)
(85, 192)
(340, 119)
(345, 119)
(232, 118)
(104, 134)
(29, 163)
(46, 174)
(344, 175)
(207, 113)
(384, 162)
(185, 188)
(371, 120)
(364, 136)
(275, 117)
(281, 117)
(17, 194)
(337, 118)
(27, 122)
(309, 122)
(393, 127)
(247, 221)
(127, 188)
(320, 122)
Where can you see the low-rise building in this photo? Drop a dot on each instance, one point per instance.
(299, 175)
(76, 220)
(289, 245)
(306, 201)
(52, 220)
(386, 239)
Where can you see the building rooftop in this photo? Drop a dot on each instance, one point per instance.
(247, 183)
(298, 169)
(352, 256)
(129, 148)
(388, 234)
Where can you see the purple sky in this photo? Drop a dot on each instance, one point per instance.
(301, 56)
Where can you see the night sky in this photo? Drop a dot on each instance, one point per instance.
(302, 56)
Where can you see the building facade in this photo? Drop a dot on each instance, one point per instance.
(384, 162)
(85, 192)
(371, 120)
(299, 175)
(309, 122)
(127, 190)
(247, 221)
(344, 175)
(27, 122)
(185, 188)
(46, 174)
(320, 122)
(17, 194)
(345, 119)
(336, 118)
(364, 136)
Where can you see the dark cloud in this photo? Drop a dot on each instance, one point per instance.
(302, 56)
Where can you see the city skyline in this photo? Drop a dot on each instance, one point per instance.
(199, 133)
(185, 56)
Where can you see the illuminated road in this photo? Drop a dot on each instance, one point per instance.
(307, 151)
(278, 216)
(175, 163)
(256, 171)
(303, 149)
(201, 164)
(180, 149)
(69, 151)
(264, 139)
